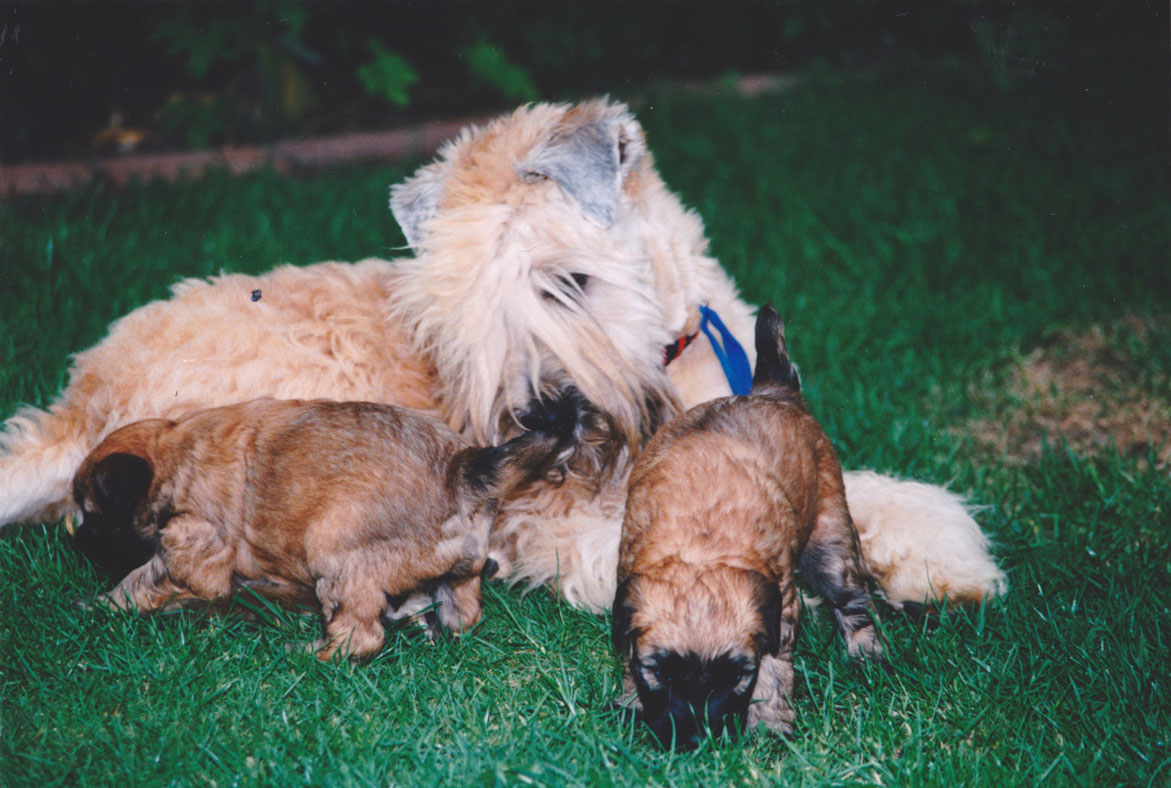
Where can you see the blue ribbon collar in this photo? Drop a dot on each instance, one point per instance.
(730, 353)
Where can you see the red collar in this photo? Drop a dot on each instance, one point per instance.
(672, 350)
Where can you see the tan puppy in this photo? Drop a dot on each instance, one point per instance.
(547, 252)
(726, 504)
(369, 511)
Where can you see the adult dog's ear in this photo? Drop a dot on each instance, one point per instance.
(589, 156)
(768, 605)
(414, 201)
(621, 633)
(120, 483)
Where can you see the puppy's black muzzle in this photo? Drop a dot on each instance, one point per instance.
(683, 725)
(115, 549)
(693, 697)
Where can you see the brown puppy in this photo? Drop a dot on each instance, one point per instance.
(725, 504)
(371, 511)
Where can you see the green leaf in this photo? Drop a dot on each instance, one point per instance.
(388, 76)
(489, 64)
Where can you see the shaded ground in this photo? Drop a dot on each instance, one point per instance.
(1100, 388)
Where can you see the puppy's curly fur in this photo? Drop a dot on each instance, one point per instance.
(725, 504)
(368, 511)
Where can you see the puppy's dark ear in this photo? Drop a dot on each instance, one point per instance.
(621, 633)
(120, 482)
(768, 604)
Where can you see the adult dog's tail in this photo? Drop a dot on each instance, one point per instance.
(773, 367)
(39, 453)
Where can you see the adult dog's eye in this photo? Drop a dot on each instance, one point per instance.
(569, 286)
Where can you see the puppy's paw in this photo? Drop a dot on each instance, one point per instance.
(428, 621)
(926, 616)
(307, 647)
(86, 604)
(627, 705)
(112, 600)
(868, 644)
(775, 715)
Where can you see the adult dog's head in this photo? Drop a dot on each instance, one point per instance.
(548, 252)
(693, 639)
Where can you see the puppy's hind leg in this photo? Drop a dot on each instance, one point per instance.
(831, 565)
(352, 606)
(460, 604)
(455, 606)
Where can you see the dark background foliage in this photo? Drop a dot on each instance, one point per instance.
(81, 79)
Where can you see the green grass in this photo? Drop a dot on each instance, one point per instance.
(915, 231)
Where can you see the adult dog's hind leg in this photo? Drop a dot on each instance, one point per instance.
(920, 541)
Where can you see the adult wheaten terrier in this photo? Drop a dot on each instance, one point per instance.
(368, 511)
(547, 252)
(727, 503)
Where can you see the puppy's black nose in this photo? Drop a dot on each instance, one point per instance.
(681, 741)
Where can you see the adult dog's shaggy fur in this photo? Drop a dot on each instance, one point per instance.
(547, 251)
(725, 503)
(370, 511)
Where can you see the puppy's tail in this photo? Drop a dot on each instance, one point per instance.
(773, 367)
(553, 429)
(39, 453)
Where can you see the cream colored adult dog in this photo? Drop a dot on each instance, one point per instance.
(547, 252)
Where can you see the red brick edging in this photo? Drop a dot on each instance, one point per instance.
(289, 157)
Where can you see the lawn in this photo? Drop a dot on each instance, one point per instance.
(922, 232)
